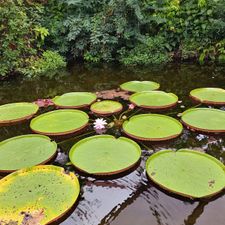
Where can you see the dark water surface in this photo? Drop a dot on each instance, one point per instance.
(131, 199)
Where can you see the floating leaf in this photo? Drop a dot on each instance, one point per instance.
(42, 192)
(59, 122)
(152, 127)
(74, 100)
(187, 173)
(204, 119)
(105, 155)
(25, 151)
(154, 99)
(137, 86)
(44, 102)
(211, 96)
(106, 107)
(112, 94)
(17, 112)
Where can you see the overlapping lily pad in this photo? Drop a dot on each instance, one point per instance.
(187, 173)
(44, 193)
(106, 107)
(211, 96)
(152, 127)
(105, 155)
(60, 122)
(137, 86)
(75, 100)
(205, 119)
(25, 151)
(17, 112)
(154, 99)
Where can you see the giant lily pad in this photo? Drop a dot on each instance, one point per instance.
(105, 155)
(25, 151)
(106, 107)
(59, 122)
(74, 100)
(152, 127)
(137, 86)
(44, 193)
(205, 119)
(187, 173)
(16, 112)
(154, 99)
(211, 96)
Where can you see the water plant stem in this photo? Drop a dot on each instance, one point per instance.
(138, 110)
(76, 137)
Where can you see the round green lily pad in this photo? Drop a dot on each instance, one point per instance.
(152, 127)
(106, 107)
(59, 122)
(205, 119)
(74, 100)
(154, 99)
(37, 195)
(25, 151)
(16, 112)
(137, 86)
(105, 155)
(187, 173)
(211, 96)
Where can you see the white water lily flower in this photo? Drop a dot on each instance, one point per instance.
(100, 124)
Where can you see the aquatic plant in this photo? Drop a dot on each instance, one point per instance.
(102, 155)
(105, 155)
(187, 172)
(39, 190)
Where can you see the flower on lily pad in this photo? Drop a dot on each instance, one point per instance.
(100, 124)
(131, 106)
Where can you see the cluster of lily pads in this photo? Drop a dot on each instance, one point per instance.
(32, 190)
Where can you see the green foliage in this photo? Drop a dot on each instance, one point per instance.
(98, 30)
(16, 37)
(54, 15)
(22, 39)
(131, 32)
(41, 32)
(46, 65)
(151, 51)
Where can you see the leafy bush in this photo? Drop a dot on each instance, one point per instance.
(16, 37)
(22, 39)
(130, 31)
(46, 65)
(151, 51)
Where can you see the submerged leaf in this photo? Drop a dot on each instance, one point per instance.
(112, 94)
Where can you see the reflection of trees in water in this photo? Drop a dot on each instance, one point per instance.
(98, 198)
(160, 209)
(197, 212)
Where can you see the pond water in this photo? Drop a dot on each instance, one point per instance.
(130, 199)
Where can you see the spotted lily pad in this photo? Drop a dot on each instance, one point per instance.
(17, 112)
(154, 99)
(59, 122)
(106, 107)
(187, 173)
(211, 96)
(105, 155)
(46, 191)
(137, 86)
(74, 100)
(205, 119)
(152, 127)
(25, 151)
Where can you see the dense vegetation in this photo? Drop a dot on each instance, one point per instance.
(36, 37)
